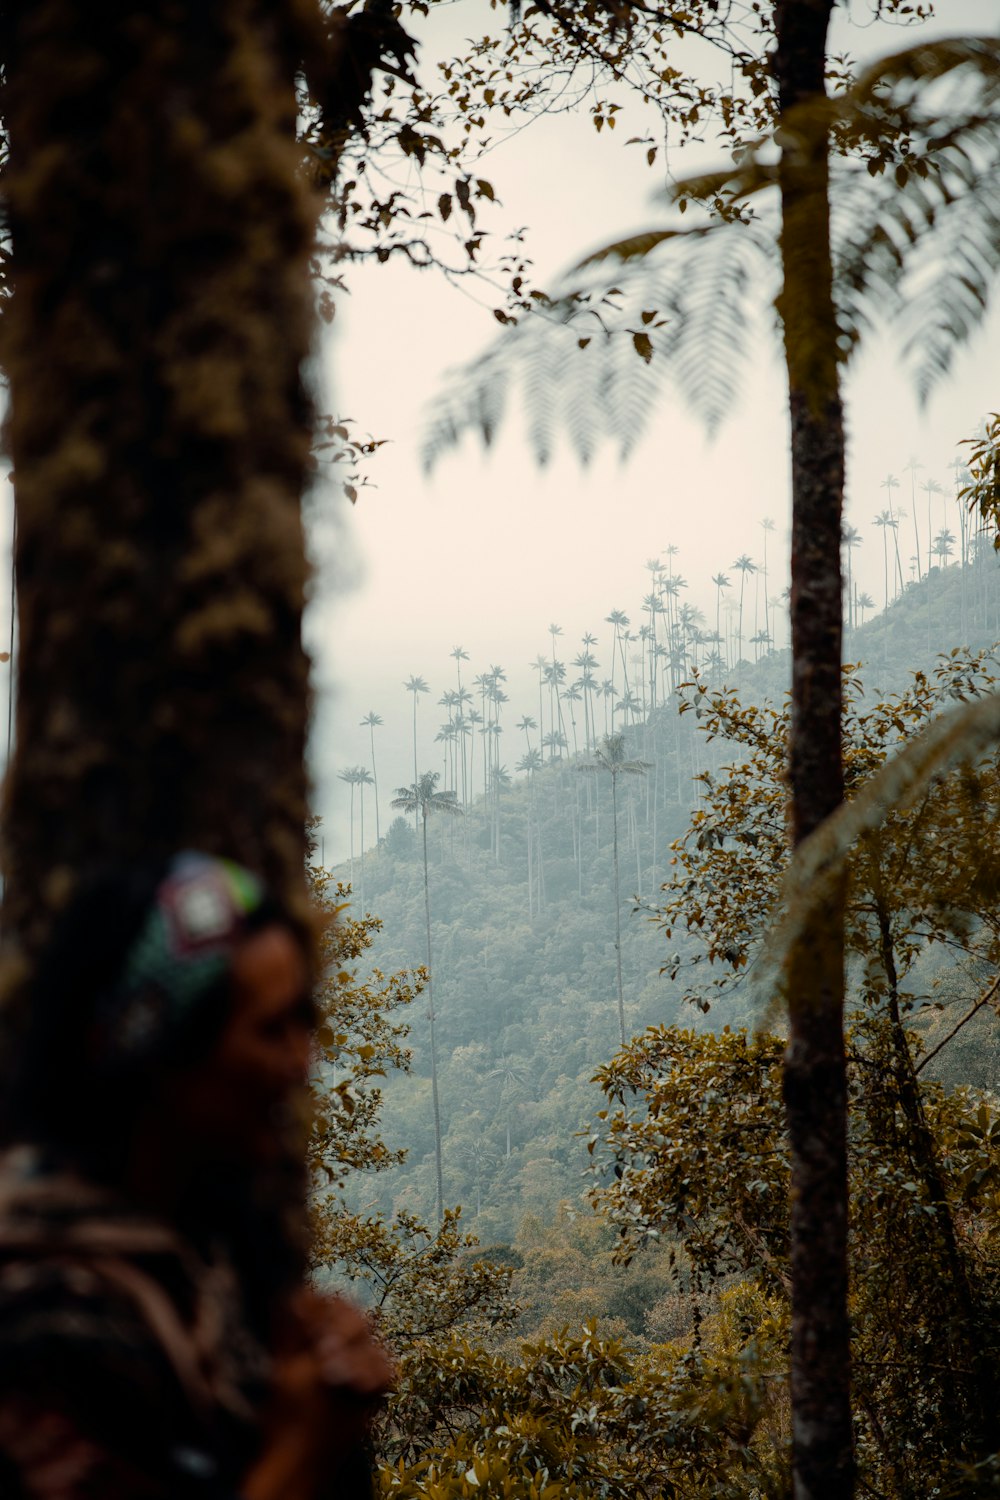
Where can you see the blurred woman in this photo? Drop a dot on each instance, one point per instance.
(156, 1337)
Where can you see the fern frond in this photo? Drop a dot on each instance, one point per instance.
(957, 737)
(920, 246)
(636, 246)
(593, 362)
(911, 70)
(916, 246)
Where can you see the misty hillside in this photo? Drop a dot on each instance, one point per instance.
(523, 918)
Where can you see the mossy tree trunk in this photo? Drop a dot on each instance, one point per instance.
(815, 1082)
(159, 427)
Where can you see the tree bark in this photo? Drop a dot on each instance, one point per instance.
(815, 1085)
(161, 229)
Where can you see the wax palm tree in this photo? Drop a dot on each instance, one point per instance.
(573, 695)
(585, 661)
(531, 762)
(630, 705)
(416, 686)
(890, 483)
(363, 778)
(512, 1075)
(524, 725)
(553, 742)
(373, 721)
(608, 692)
(931, 487)
(913, 468)
(459, 656)
(767, 526)
(611, 759)
(538, 665)
(421, 799)
(350, 775)
(851, 538)
(886, 521)
(944, 544)
(620, 621)
(865, 601)
(746, 565)
(721, 582)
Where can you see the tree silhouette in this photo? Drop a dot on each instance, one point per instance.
(610, 758)
(852, 538)
(746, 565)
(416, 686)
(913, 468)
(372, 721)
(421, 799)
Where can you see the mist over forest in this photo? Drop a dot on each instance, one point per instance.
(522, 881)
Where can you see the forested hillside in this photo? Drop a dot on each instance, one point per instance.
(522, 901)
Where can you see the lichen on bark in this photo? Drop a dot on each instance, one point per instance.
(160, 234)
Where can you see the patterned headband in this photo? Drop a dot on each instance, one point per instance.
(183, 950)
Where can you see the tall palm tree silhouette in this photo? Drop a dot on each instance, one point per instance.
(362, 778)
(460, 656)
(351, 774)
(721, 582)
(373, 721)
(421, 799)
(619, 619)
(746, 565)
(611, 758)
(887, 522)
(851, 537)
(890, 483)
(767, 526)
(415, 685)
(913, 468)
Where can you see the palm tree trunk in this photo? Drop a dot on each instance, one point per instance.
(160, 433)
(439, 1176)
(618, 912)
(815, 1081)
(361, 798)
(353, 783)
(378, 831)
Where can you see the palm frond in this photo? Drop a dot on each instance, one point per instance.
(916, 246)
(593, 362)
(913, 69)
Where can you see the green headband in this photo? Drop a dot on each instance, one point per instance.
(183, 950)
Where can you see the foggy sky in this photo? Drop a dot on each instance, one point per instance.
(490, 550)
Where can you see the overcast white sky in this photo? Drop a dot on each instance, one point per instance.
(490, 550)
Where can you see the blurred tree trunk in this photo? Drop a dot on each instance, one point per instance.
(815, 1082)
(159, 428)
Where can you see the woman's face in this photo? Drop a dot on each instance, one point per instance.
(230, 1101)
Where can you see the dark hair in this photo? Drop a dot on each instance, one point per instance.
(60, 1095)
(83, 1117)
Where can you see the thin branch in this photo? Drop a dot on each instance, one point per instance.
(984, 999)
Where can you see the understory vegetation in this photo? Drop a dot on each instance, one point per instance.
(608, 1311)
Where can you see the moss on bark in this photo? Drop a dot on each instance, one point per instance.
(161, 228)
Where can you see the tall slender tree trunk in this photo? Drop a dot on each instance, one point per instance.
(438, 1174)
(618, 912)
(815, 1086)
(378, 830)
(161, 315)
(353, 784)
